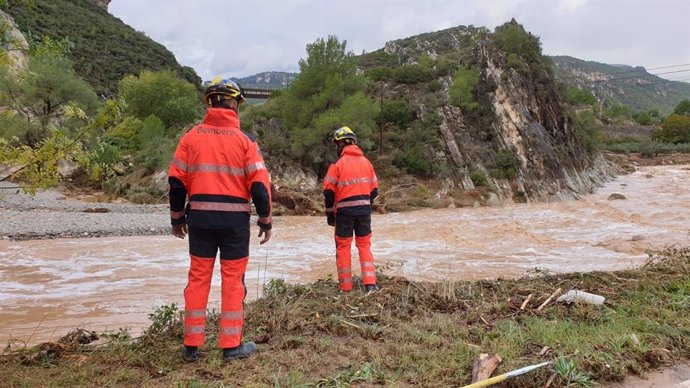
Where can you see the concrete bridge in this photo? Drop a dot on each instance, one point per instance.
(257, 93)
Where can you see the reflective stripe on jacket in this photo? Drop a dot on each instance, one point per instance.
(350, 184)
(219, 168)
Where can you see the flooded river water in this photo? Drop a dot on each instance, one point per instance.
(48, 287)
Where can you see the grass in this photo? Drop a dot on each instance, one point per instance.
(408, 334)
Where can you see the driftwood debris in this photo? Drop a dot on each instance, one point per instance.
(558, 291)
(484, 366)
(524, 304)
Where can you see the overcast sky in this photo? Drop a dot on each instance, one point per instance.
(240, 38)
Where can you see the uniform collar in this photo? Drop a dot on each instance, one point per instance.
(219, 117)
(352, 150)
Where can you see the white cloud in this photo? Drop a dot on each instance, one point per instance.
(238, 38)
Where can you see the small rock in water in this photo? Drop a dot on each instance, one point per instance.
(638, 237)
(616, 196)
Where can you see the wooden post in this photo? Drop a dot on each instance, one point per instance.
(381, 124)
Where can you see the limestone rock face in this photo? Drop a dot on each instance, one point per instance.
(102, 3)
(524, 143)
(13, 43)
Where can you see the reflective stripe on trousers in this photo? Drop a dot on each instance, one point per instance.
(232, 300)
(366, 259)
(196, 298)
(344, 260)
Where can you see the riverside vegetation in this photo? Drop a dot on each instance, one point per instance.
(408, 334)
(427, 116)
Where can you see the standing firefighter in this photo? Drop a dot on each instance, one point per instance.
(219, 168)
(350, 186)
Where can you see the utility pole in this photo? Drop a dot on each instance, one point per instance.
(381, 124)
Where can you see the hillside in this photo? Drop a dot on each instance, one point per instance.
(104, 48)
(485, 112)
(465, 110)
(621, 84)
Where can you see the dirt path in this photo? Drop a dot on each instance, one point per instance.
(677, 376)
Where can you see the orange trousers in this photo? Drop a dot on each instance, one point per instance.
(343, 260)
(196, 293)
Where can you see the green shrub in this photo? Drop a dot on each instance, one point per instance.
(461, 91)
(13, 126)
(124, 134)
(675, 129)
(514, 62)
(413, 160)
(446, 66)
(412, 74)
(382, 73)
(575, 95)
(512, 38)
(588, 130)
(478, 178)
(507, 164)
(378, 58)
(174, 101)
(683, 108)
(649, 148)
(642, 118)
(152, 131)
(433, 86)
(397, 113)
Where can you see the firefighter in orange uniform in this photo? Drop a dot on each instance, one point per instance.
(219, 169)
(350, 186)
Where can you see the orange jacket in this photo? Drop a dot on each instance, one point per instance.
(219, 168)
(350, 185)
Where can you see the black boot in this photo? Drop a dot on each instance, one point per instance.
(190, 353)
(242, 351)
(371, 288)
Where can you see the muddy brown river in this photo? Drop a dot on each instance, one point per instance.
(48, 287)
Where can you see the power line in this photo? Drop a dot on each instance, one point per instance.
(630, 77)
(572, 77)
(645, 75)
(645, 69)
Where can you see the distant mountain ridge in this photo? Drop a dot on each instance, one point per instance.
(267, 80)
(621, 84)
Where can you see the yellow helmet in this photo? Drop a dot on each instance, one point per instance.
(222, 88)
(343, 133)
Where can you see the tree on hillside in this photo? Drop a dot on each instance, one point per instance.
(575, 95)
(174, 101)
(683, 108)
(512, 38)
(42, 92)
(326, 94)
(675, 129)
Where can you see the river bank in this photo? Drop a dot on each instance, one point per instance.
(424, 334)
(69, 213)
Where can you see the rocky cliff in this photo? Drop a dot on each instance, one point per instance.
(508, 131)
(102, 3)
(14, 44)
